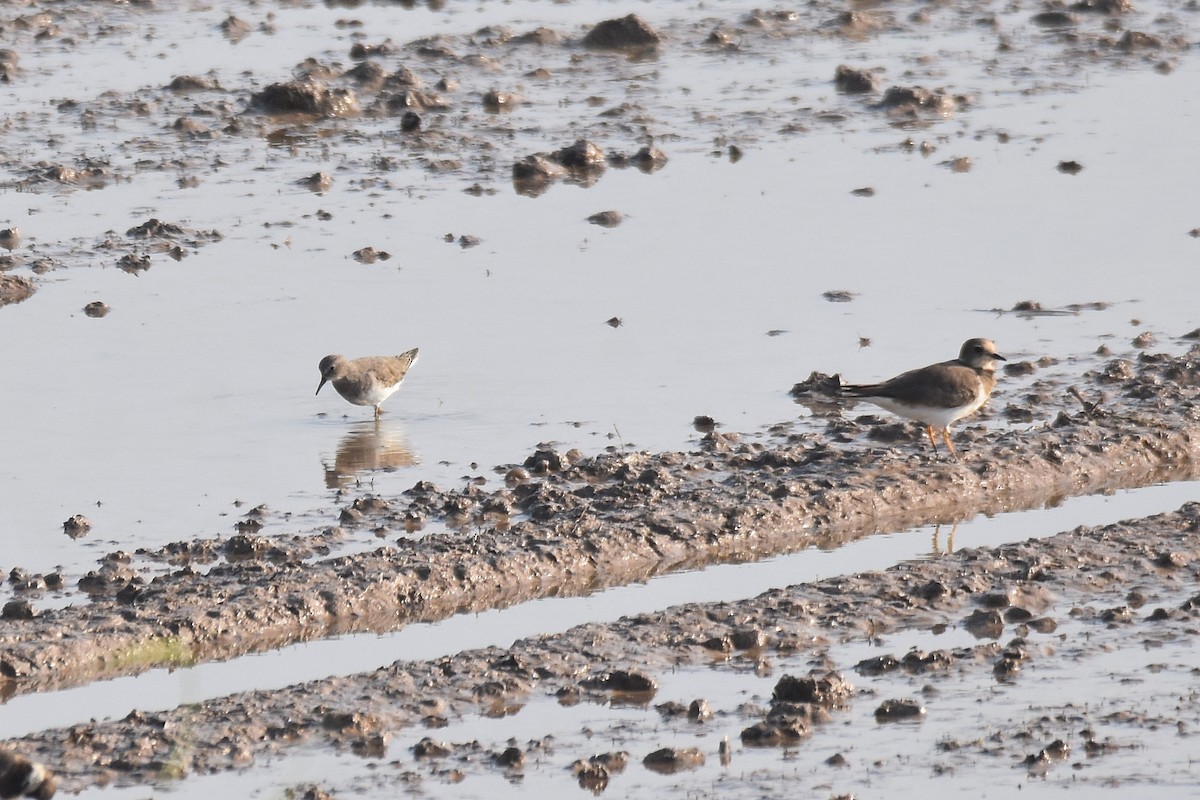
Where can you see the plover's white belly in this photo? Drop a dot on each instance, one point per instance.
(930, 415)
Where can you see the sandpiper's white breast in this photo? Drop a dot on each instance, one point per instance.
(374, 394)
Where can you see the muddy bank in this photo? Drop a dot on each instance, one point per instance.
(1120, 585)
(569, 525)
(498, 105)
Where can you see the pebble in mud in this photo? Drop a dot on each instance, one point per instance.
(533, 174)
(984, 624)
(510, 758)
(18, 609)
(648, 159)
(1055, 751)
(699, 710)
(898, 710)
(583, 158)
(669, 760)
(9, 65)
(96, 309)
(369, 255)
(305, 97)
(235, 29)
(850, 80)
(607, 219)
(594, 773)
(912, 100)
(496, 101)
(77, 526)
(431, 748)
(830, 689)
(317, 182)
(620, 680)
(631, 33)
(134, 263)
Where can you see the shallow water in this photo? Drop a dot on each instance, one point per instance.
(196, 392)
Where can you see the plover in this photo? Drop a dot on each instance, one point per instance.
(21, 777)
(366, 381)
(939, 394)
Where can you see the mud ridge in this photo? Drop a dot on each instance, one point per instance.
(613, 519)
(1015, 589)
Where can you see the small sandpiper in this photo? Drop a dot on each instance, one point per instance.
(366, 381)
(939, 394)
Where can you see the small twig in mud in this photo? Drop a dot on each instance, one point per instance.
(1089, 408)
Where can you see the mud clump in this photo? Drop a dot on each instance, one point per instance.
(15, 289)
(899, 710)
(797, 705)
(629, 33)
(912, 101)
(9, 65)
(581, 157)
(669, 760)
(850, 80)
(78, 525)
(308, 97)
(607, 219)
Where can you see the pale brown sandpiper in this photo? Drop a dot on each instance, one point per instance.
(366, 381)
(939, 394)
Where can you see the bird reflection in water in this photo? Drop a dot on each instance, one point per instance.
(369, 446)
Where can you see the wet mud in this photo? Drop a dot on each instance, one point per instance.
(567, 524)
(500, 104)
(1137, 579)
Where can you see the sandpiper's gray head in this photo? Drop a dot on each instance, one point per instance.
(980, 353)
(329, 368)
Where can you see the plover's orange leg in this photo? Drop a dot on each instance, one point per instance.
(949, 444)
(932, 441)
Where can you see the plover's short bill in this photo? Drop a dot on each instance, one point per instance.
(366, 381)
(939, 394)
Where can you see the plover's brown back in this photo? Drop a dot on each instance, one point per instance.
(939, 394)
